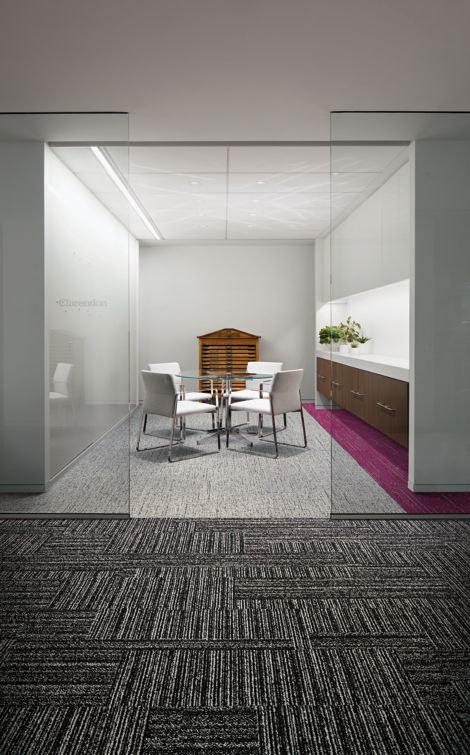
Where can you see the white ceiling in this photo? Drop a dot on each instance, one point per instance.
(238, 192)
(234, 69)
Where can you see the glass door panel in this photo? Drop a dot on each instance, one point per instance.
(66, 292)
(399, 295)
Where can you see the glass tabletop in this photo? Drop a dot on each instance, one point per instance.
(223, 375)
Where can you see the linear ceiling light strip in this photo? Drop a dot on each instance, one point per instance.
(125, 189)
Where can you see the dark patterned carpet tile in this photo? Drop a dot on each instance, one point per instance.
(348, 675)
(263, 591)
(44, 624)
(90, 591)
(18, 543)
(361, 730)
(72, 730)
(168, 536)
(430, 669)
(156, 622)
(303, 636)
(56, 673)
(369, 617)
(228, 678)
(28, 589)
(211, 732)
(454, 562)
(143, 598)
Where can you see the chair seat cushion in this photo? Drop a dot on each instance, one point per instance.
(197, 396)
(257, 405)
(246, 395)
(193, 407)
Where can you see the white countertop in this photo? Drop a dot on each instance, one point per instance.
(394, 367)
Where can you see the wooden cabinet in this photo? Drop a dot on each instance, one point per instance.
(358, 393)
(229, 350)
(389, 408)
(324, 377)
(378, 400)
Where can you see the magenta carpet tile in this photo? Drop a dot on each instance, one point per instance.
(386, 462)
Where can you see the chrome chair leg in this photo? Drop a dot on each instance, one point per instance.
(145, 423)
(303, 427)
(275, 435)
(173, 422)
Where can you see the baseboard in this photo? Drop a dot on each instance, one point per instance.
(400, 516)
(63, 516)
(450, 488)
(22, 489)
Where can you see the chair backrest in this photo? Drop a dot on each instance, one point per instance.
(270, 368)
(62, 378)
(160, 393)
(168, 368)
(285, 391)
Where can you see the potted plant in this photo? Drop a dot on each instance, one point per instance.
(349, 333)
(330, 335)
(362, 344)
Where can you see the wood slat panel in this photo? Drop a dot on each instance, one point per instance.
(229, 350)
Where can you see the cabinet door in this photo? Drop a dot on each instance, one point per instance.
(359, 403)
(389, 412)
(340, 380)
(324, 377)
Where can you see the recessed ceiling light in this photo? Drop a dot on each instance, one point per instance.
(252, 214)
(194, 183)
(261, 182)
(255, 201)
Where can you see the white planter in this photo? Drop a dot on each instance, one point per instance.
(344, 348)
(363, 348)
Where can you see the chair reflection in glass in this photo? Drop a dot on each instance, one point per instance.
(61, 396)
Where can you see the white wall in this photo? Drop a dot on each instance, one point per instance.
(89, 256)
(384, 314)
(440, 347)
(267, 289)
(22, 357)
(371, 247)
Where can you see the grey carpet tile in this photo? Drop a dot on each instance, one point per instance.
(256, 637)
(112, 478)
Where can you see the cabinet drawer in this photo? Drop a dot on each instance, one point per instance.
(324, 377)
(389, 407)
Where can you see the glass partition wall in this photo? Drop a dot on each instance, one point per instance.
(399, 303)
(67, 298)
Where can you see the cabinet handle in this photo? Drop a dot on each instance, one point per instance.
(357, 394)
(321, 377)
(337, 385)
(386, 408)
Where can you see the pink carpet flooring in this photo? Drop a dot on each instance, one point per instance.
(386, 462)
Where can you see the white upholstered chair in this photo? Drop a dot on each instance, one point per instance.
(283, 398)
(256, 387)
(161, 397)
(173, 368)
(270, 368)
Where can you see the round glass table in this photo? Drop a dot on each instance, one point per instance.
(225, 380)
